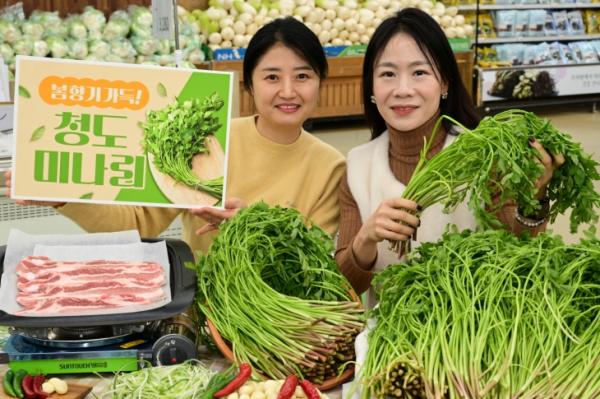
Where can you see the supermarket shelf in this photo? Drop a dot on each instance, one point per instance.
(490, 108)
(562, 38)
(489, 7)
(513, 67)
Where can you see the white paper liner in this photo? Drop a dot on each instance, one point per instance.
(124, 246)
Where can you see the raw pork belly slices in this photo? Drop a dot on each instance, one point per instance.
(46, 286)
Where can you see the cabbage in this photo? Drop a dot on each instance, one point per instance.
(40, 48)
(61, 30)
(141, 16)
(78, 49)
(113, 58)
(164, 47)
(195, 55)
(23, 46)
(141, 30)
(92, 57)
(94, 20)
(164, 59)
(144, 46)
(9, 31)
(187, 64)
(46, 18)
(58, 47)
(95, 35)
(76, 27)
(122, 48)
(116, 29)
(7, 53)
(34, 30)
(99, 49)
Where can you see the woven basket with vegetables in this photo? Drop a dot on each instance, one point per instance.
(271, 288)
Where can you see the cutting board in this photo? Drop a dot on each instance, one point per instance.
(76, 391)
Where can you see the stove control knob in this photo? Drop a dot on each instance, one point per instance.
(173, 349)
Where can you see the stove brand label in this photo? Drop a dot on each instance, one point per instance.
(86, 365)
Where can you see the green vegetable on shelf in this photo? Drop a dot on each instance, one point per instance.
(178, 132)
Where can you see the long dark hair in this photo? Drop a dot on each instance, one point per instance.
(434, 45)
(291, 33)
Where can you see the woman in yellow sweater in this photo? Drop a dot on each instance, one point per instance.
(271, 158)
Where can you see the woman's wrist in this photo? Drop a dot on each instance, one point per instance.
(364, 251)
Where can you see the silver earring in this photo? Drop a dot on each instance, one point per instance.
(373, 99)
(444, 95)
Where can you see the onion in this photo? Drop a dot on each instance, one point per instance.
(239, 41)
(227, 33)
(215, 38)
(226, 44)
(239, 27)
(338, 24)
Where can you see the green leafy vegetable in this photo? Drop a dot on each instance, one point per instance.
(496, 159)
(174, 134)
(23, 92)
(271, 287)
(38, 133)
(488, 315)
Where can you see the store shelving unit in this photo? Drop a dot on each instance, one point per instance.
(576, 82)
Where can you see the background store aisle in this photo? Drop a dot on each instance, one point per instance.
(580, 123)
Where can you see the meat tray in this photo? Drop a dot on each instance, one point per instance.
(183, 288)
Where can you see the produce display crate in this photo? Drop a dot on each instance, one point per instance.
(340, 93)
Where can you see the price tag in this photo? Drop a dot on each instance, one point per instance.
(162, 13)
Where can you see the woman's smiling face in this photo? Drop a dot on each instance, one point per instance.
(406, 87)
(285, 88)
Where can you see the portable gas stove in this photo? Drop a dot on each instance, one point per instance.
(108, 343)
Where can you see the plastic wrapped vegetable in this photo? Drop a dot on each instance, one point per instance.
(144, 46)
(40, 48)
(95, 35)
(93, 19)
(141, 16)
(117, 27)
(58, 47)
(164, 47)
(122, 48)
(99, 49)
(7, 53)
(113, 58)
(78, 49)
(23, 46)
(141, 30)
(164, 59)
(9, 31)
(34, 30)
(195, 55)
(76, 27)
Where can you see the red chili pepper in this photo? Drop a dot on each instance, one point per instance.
(38, 380)
(310, 390)
(243, 375)
(27, 386)
(288, 388)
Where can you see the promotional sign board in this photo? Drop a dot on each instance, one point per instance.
(118, 133)
(540, 82)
